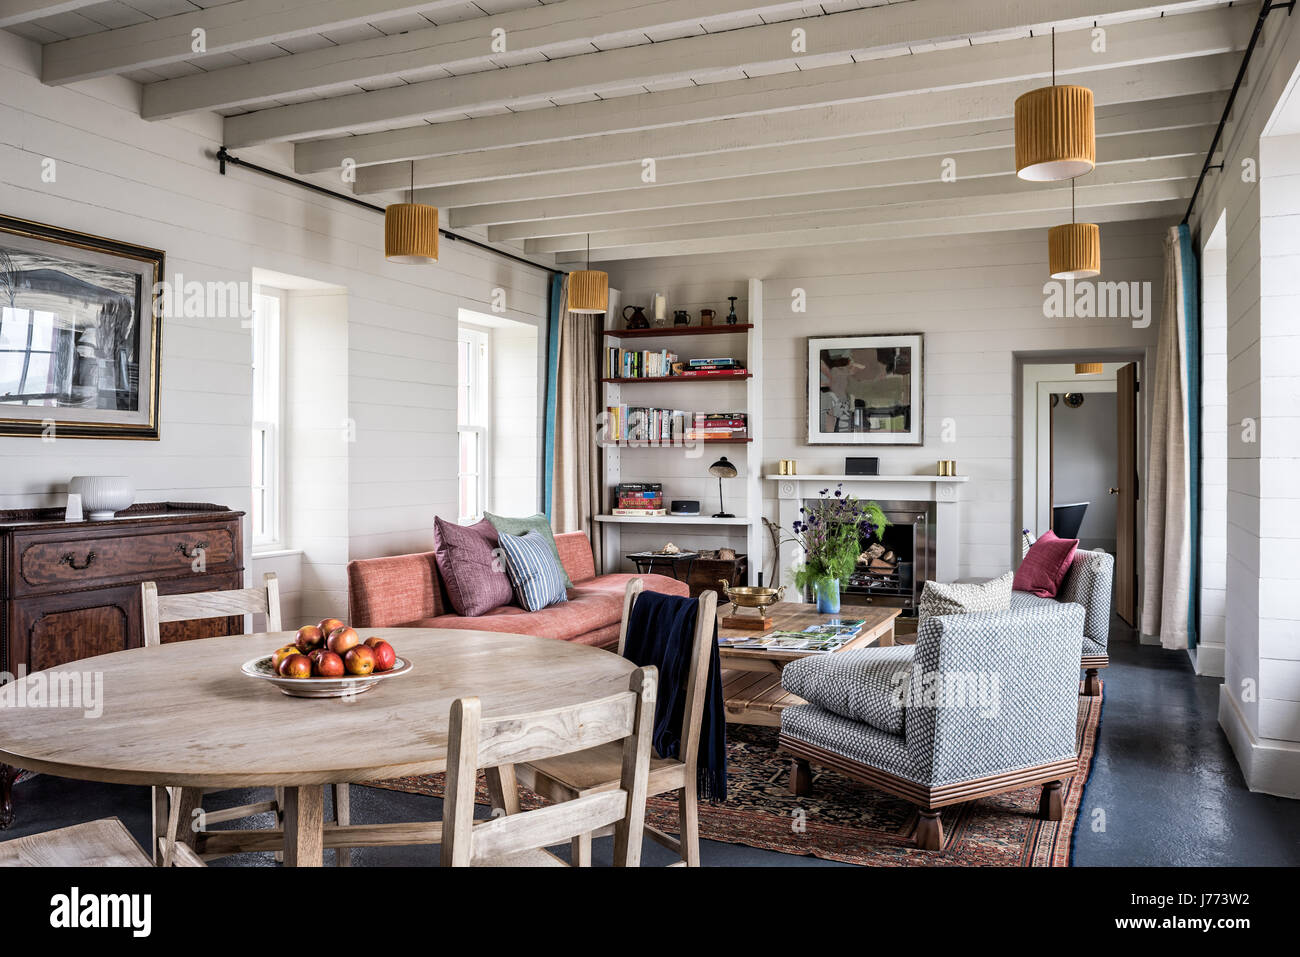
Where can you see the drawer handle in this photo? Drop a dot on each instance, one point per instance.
(194, 553)
(71, 561)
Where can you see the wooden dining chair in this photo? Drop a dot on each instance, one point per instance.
(160, 609)
(596, 770)
(102, 843)
(623, 722)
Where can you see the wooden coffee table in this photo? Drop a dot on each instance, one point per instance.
(751, 680)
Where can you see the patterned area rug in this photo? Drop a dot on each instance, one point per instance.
(845, 821)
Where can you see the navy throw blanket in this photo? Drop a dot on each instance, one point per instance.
(661, 632)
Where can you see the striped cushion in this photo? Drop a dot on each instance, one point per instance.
(535, 572)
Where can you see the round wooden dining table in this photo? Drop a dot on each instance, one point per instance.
(182, 715)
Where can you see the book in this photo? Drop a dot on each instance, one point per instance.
(714, 362)
(645, 512)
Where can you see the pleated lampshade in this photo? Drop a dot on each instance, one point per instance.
(1087, 368)
(1074, 250)
(1055, 133)
(411, 233)
(588, 291)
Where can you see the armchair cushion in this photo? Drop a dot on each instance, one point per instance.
(955, 598)
(1045, 565)
(868, 685)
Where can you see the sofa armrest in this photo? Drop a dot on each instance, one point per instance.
(1088, 582)
(388, 592)
(576, 556)
(993, 691)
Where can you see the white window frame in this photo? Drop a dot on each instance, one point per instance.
(477, 417)
(268, 379)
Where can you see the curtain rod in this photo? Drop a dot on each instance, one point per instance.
(1268, 7)
(225, 157)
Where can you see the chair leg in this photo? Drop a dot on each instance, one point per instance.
(580, 850)
(688, 830)
(800, 777)
(279, 819)
(1049, 802)
(161, 810)
(929, 831)
(342, 799)
(503, 789)
(1091, 683)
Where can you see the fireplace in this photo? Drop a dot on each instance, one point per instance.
(895, 565)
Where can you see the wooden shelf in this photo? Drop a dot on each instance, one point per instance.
(678, 378)
(650, 444)
(671, 520)
(655, 332)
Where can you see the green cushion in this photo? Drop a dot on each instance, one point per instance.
(538, 523)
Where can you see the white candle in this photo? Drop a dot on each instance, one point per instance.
(661, 306)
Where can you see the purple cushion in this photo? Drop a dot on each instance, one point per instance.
(1045, 565)
(475, 580)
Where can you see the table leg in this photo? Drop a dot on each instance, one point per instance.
(503, 788)
(304, 826)
(8, 775)
(181, 821)
(886, 639)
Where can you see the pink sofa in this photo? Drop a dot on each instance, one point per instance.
(405, 591)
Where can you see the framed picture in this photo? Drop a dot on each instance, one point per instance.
(865, 390)
(79, 334)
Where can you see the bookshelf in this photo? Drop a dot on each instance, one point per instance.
(683, 467)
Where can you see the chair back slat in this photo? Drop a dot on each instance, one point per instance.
(474, 743)
(697, 681)
(547, 826)
(519, 739)
(159, 609)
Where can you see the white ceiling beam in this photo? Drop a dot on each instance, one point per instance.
(875, 29)
(552, 214)
(1115, 119)
(989, 204)
(538, 29)
(14, 12)
(226, 27)
(889, 232)
(811, 201)
(887, 114)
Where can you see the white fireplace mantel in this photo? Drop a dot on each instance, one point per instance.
(943, 490)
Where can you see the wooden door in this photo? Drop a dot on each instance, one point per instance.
(1126, 487)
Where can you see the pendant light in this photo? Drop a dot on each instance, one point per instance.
(1088, 368)
(411, 231)
(1074, 250)
(1055, 131)
(588, 288)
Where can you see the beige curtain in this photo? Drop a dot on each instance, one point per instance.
(1167, 581)
(576, 479)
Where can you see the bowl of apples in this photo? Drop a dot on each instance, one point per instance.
(328, 660)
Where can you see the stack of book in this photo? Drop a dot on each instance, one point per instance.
(709, 367)
(714, 426)
(639, 498)
(643, 364)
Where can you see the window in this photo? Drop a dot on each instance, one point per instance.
(266, 421)
(28, 370)
(472, 417)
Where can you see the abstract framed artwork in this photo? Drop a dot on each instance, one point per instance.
(865, 390)
(80, 334)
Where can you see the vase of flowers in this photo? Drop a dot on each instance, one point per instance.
(831, 532)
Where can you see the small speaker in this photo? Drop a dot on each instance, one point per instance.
(861, 466)
(684, 507)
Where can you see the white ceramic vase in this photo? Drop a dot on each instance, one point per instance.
(102, 496)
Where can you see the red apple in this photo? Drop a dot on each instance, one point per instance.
(328, 665)
(277, 659)
(315, 654)
(342, 640)
(329, 624)
(296, 666)
(385, 655)
(309, 637)
(360, 660)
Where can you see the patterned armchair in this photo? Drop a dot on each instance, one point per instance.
(983, 703)
(1087, 583)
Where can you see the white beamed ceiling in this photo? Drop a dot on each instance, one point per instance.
(752, 142)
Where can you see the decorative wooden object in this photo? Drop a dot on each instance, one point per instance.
(598, 770)
(184, 716)
(71, 590)
(751, 680)
(747, 622)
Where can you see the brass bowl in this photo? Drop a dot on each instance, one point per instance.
(751, 597)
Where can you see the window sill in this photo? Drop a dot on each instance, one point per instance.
(275, 551)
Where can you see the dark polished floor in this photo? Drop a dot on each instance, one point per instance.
(1165, 789)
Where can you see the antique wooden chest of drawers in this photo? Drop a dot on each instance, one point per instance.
(71, 590)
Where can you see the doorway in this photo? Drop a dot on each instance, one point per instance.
(1079, 459)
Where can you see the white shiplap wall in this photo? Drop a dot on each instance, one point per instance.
(977, 299)
(157, 185)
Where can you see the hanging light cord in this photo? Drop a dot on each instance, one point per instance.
(1053, 56)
